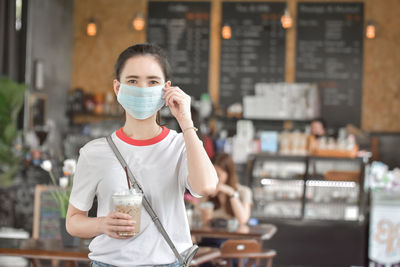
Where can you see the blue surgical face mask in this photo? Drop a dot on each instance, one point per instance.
(141, 102)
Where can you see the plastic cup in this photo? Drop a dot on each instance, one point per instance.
(207, 209)
(130, 203)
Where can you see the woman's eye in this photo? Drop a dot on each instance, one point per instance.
(154, 82)
(132, 81)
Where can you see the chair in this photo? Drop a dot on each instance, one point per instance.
(205, 254)
(246, 249)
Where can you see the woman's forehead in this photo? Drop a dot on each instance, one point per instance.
(142, 66)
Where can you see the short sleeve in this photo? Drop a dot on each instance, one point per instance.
(245, 195)
(84, 185)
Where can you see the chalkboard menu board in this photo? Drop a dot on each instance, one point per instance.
(329, 52)
(46, 214)
(183, 30)
(255, 52)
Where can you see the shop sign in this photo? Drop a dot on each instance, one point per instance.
(384, 239)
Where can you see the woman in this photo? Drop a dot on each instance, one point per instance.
(231, 199)
(164, 163)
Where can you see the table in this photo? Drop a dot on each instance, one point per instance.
(49, 249)
(259, 232)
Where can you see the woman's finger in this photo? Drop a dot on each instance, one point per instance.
(168, 92)
(175, 98)
(174, 88)
(167, 95)
(122, 228)
(175, 91)
(174, 95)
(171, 95)
(122, 222)
(113, 235)
(119, 215)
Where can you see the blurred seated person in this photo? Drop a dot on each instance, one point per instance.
(231, 200)
(318, 127)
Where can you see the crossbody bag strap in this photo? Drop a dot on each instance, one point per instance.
(146, 204)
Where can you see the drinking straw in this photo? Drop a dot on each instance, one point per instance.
(127, 178)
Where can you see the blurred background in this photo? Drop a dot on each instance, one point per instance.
(305, 95)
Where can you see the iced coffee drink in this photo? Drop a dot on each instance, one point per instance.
(207, 210)
(129, 202)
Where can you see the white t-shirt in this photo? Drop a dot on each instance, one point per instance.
(160, 166)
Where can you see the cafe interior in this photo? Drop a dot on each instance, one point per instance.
(301, 96)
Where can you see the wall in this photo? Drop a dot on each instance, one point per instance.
(50, 32)
(381, 102)
(93, 58)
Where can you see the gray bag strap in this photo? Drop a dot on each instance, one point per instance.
(146, 203)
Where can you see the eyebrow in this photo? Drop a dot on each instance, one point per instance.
(148, 77)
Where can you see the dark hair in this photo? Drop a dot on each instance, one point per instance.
(143, 50)
(225, 162)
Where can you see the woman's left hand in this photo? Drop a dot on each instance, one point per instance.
(179, 104)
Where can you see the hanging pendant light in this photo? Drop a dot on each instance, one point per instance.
(286, 20)
(226, 32)
(138, 22)
(91, 28)
(370, 31)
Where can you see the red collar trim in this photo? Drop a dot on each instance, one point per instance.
(135, 142)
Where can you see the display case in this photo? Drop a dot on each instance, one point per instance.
(317, 204)
(278, 186)
(303, 187)
(334, 189)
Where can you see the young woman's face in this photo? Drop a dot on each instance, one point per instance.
(222, 175)
(141, 71)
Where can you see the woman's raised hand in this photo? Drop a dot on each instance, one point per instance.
(116, 222)
(179, 104)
